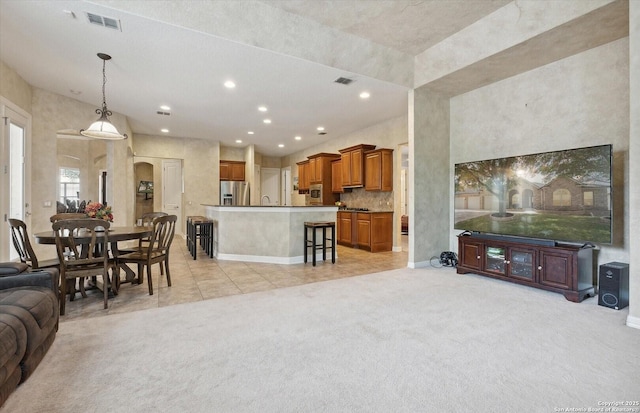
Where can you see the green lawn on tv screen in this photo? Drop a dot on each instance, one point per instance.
(548, 226)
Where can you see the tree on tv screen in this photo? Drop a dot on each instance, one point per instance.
(499, 176)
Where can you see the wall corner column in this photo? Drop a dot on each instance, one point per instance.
(429, 176)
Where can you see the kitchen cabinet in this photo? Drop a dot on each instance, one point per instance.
(303, 176)
(566, 269)
(232, 171)
(353, 165)
(371, 231)
(378, 167)
(345, 228)
(320, 168)
(336, 176)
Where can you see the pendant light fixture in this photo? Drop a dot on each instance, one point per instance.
(103, 128)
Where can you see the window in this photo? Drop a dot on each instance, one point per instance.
(561, 197)
(587, 197)
(69, 185)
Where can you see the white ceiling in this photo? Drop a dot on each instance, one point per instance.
(53, 47)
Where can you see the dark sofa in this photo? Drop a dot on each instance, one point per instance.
(29, 315)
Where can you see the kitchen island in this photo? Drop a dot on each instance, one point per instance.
(270, 234)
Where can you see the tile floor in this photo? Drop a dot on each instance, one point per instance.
(207, 278)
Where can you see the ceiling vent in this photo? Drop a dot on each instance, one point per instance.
(163, 113)
(343, 80)
(103, 21)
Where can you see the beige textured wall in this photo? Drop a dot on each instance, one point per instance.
(201, 168)
(579, 101)
(14, 88)
(507, 27)
(634, 164)
(52, 112)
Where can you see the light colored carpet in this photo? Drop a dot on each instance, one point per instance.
(423, 340)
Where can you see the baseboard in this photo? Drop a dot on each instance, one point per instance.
(270, 259)
(633, 322)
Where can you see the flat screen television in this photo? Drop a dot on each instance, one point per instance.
(564, 196)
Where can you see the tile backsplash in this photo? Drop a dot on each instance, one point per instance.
(374, 201)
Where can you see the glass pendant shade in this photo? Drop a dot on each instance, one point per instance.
(103, 128)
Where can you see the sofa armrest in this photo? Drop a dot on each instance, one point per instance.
(10, 268)
(47, 278)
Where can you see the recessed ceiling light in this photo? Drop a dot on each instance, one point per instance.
(365, 95)
(238, 140)
(262, 108)
(267, 121)
(165, 130)
(165, 107)
(250, 132)
(229, 84)
(320, 128)
(281, 145)
(298, 138)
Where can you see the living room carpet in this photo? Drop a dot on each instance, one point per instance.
(409, 340)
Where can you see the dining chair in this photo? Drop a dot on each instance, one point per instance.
(143, 243)
(82, 252)
(156, 252)
(67, 215)
(22, 244)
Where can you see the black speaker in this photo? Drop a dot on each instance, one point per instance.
(613, 285)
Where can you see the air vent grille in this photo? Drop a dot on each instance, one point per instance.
(103, 21)
(343, 80)
(163, 113)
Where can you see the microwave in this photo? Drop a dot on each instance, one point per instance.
(315, 194)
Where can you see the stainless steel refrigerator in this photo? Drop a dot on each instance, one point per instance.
(234, 193)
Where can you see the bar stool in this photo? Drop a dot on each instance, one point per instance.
(315, 245)
(200, 229)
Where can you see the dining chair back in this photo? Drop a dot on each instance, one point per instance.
(156, 252)
(67, 215)
(22, 244)
(82, 251)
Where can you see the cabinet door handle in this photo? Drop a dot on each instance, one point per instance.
(478, 257)
(540, 267)
(507, 262)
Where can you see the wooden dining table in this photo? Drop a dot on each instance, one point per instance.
(115, 234)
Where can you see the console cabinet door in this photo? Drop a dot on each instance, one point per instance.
(522, 263)
(556, 268)
(470, 253)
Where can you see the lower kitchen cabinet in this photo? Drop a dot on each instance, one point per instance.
(371, 231)
(567, 269)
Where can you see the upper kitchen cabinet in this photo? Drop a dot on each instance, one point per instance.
(232, 171)
(304, 176)
(336, 176)
(353, 165)
(378, 167)
(320, 168)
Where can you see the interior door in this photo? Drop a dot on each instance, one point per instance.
(285, 180)
(172, 190)
(15, 182)
(270, 186)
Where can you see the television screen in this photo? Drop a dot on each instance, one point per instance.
(145, 187)
(561, 196)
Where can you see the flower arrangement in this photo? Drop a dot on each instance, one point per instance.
(97, 210)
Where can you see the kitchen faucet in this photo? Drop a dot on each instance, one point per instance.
(263, 197)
